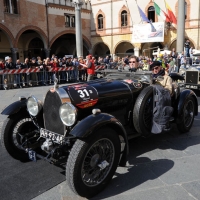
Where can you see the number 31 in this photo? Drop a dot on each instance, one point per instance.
(83, 93)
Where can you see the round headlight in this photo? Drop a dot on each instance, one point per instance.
(33, 105)
(68, 114)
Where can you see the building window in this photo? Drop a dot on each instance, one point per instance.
(69, 20)
(10, 6)
(72, 21)
(151, 14)
(100, 21)
(124, 18)
(185, 10)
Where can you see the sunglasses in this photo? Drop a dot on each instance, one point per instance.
(132, 62)
(155, 68)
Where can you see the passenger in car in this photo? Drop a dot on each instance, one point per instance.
(157, 70)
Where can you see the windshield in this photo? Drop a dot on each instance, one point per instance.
(142, 76)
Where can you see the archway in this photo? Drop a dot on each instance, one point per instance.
(123, 49)
(66, 45)
(173, 44)
(36, 48)
(101, 50)
(30, 44)
(148, 48)
(5, 46)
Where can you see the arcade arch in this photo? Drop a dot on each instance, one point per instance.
(65, 44)
(30, 44)
(101, 50)
(6, 42)
(124, 48)
(173, 44)
(148, 48)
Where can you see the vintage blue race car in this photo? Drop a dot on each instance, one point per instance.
(88, 124)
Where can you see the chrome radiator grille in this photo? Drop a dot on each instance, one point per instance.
(52, 119)
(192, 77)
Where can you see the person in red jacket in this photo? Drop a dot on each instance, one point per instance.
(55, 66)
(2, 66)
(89, 65)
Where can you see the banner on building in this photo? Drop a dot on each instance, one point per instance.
(148, 32)
(69, 56)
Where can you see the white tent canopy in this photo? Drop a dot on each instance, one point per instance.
(158, 52)
(196, 52)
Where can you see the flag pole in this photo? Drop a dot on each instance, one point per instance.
(138, 10)
(165, 5)
(130, 12)
(168, 12)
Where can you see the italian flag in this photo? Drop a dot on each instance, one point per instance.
(170, 14)
(161, 13)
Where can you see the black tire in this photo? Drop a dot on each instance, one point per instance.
(185, 121)
(143, 111)
(10, 140)
(83, 174)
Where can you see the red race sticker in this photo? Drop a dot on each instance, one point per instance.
(129, 81)
(83, 95)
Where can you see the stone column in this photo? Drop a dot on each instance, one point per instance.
(14, 54)
(180, 26)
(47, 52)
(79, 39)
(137, 51)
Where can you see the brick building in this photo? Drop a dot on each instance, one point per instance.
(113, 20)
(30, 28)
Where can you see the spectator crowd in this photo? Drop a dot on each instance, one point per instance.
(83, 69)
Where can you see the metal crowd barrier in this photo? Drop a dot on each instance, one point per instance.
(14, 78)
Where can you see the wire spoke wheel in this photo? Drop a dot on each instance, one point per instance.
(92, 162)
(186, 119)
(98, 162)
(13, 135)
(17, 130)
(188, 113)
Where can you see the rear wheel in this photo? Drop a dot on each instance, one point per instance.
(186, 119)
(12, 132)
(143, 111)
(92, 162)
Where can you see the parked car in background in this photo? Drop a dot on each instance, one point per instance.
(192, 77)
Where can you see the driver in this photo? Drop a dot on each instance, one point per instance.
(157, 70)
(133, 64)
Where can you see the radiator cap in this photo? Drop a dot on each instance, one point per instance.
(22, 98)
(96, 111)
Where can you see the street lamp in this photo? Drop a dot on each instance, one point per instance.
(168, 25)
(78, 26)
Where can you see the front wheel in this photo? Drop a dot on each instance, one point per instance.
(13, 129)
(185, 121)
(92, 162)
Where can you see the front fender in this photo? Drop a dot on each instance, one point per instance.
(87, 126)
(15, 107)
(184, 95)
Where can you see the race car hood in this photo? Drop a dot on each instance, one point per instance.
(102, 92)
(115, 97)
